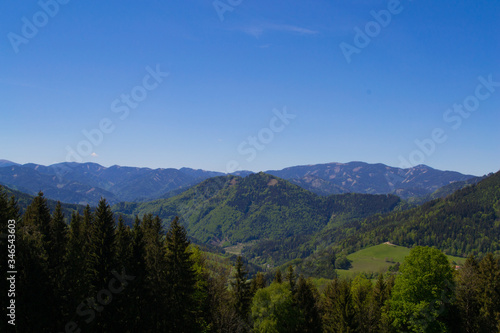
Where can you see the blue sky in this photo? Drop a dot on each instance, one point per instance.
(229, 79)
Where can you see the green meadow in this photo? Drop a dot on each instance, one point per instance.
(379, 258)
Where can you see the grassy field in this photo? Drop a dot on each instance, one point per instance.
(235, 249)
(378, 258)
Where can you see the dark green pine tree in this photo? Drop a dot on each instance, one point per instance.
(123, 244)
(86, 234)
(123, 299)
(467, 295)
(56, 245)
(33, 282)
(489, 293)
(56, 251)
(102, 261)
(378, 299)
(102, 246)
(338, 314)
(138, 317)
(37, 218)
(258, 282)
(290, 278)
(155, 273)
(241, 290)
(306, 299)
(181, 280)
(278, 277)
(75, 281)
(202, 290)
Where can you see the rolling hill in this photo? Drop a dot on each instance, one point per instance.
(230, 209)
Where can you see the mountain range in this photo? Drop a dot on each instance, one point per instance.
(274, 221)
(360, 177)
(86, 183)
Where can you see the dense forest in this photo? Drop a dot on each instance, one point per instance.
(463, 223)
(97, 274)
(259, 208)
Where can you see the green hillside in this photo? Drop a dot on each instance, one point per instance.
(229, 210)
(466, 222)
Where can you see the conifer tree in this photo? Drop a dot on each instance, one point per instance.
(306, 300)
(86, 234)
(241, 290)
(56, 252)
(338, 314)
(181, 280)
(102, 261)
(489, 293)
(36, 219)
(361, 290)
(378, 299)
(123, 299)
(102, 246)
(467, 295)
(138, 315)
(123, 244)
(76, 286)
(33, 283)
(290, 278)
(278, 277)
(156, 270)
(57, 238)
(201, 293)
(258, 282)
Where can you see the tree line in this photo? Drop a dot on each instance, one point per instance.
(97, 274)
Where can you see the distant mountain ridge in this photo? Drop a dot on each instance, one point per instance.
(4, 163)
(86, 183)
(360, 177)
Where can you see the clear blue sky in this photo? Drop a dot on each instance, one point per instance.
(226, 78)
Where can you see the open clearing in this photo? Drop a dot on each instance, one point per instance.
(378, 258)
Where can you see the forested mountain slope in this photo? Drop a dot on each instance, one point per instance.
(466, 222)
(230, 209)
